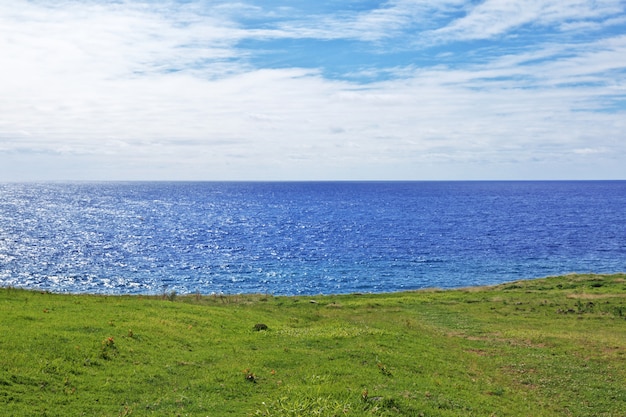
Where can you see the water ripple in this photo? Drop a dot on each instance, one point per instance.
(304, 238)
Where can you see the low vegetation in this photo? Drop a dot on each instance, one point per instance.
(545, 347)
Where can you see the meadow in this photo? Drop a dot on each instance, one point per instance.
(546, 347)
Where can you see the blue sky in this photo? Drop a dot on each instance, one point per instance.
(312, 90)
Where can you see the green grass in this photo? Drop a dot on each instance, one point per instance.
(546, 347)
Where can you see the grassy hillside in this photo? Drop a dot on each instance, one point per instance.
(547, 347)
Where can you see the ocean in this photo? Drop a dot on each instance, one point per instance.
(288, 238)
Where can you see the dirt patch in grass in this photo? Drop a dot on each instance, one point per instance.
(594, 296)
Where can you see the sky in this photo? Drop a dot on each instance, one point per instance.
(312, 90)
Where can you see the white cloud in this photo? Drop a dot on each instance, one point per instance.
(588, 151)
(392, 19)
(497, 17)
(122, 90)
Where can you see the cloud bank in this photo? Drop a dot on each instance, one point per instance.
(265, 91)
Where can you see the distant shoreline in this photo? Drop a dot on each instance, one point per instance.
(170, 294)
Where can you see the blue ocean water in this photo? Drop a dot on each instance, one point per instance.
(304, 237)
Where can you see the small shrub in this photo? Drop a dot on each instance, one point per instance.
(383, 369)
(108, 349)
(249, 376)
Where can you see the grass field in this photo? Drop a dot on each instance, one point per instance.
(546, 347)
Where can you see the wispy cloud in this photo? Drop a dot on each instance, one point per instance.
(115, 90)
(391, 19)
(498, 17)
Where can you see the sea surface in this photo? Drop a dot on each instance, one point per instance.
(304, 237)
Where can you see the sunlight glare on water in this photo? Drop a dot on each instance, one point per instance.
(304, 237)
